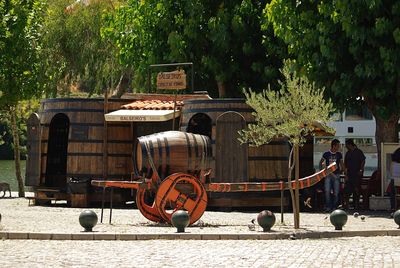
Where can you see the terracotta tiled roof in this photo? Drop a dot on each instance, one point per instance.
(152, 105)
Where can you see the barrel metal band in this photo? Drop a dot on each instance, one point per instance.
(196, 150)
(203, 153)
(151, 161)
(167, 159)
(160, 154)
(189, 152)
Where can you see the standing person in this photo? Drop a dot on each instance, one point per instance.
(354, 162)
(332, 181)
(394, 174)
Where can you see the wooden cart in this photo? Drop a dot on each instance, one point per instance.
(184, 183)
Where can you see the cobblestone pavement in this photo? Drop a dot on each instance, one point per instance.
(341, 252)
(17, 216)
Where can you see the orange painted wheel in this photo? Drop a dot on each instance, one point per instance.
(194, 201)
(145, 201)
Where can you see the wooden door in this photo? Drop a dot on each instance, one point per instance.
(231, 156)
(56, 165)
(32, 171)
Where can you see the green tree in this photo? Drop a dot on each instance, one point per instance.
(20, 21)
(77, 56)
(224, 39)
(25, 109)
(290, 112)
(350, 47)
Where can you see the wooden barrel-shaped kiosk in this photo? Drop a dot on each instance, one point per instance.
(72, 141)
(171, 152)
(69, 138)
(221, 119)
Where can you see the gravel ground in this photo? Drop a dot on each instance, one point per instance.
(338, 252)
(18, 216)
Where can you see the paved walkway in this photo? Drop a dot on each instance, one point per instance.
(211, 243)
(336, 252)
(20, 221)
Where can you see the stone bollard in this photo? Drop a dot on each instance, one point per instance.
(338, 218)
(88, 219)
(180, 219)
(396, 217)
(266, 219)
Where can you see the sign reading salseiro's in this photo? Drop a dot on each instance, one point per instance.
(171, 80)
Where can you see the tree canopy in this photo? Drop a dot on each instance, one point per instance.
(77, 55)
(20, 21)
(351, 48)
(289, 112)
(224, 40)
(20, 64)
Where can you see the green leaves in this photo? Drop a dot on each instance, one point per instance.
(291, 112)
(78, 55)
(396, 36)
(19, 50)
(223, 39)
(383, 26)
(356, 49)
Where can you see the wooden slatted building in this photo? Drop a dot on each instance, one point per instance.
(85, 139)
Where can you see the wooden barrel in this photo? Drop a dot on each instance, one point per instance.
(81, 121)
(171, 152)
(263, 163)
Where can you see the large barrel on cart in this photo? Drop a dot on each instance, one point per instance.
(171, 152)
(172, 166)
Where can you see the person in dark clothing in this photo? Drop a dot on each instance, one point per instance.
(394, 174)
(332, 181)
(354, 162)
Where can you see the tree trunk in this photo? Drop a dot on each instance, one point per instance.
(123, 84)
(386, 131)
(14, 129)
(296, 191)
(222, 89)
(294, 197)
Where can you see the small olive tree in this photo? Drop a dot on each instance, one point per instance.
(292, 113)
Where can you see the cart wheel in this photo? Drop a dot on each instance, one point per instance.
(146, 205)
(194, 201)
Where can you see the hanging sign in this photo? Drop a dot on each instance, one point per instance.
(171, 80)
